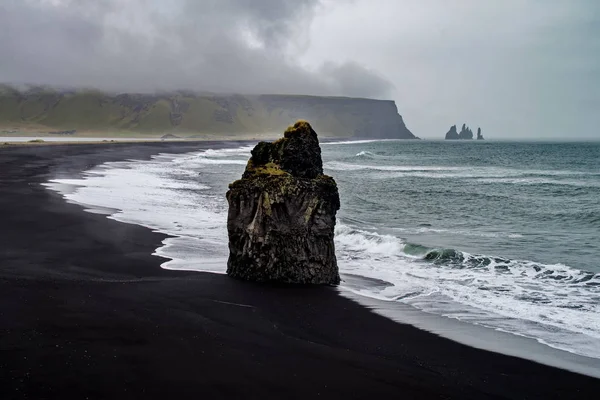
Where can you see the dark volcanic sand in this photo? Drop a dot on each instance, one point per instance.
(86, 312)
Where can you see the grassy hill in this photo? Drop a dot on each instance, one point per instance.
(42, 109)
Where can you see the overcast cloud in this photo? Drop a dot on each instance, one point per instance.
(517, 68)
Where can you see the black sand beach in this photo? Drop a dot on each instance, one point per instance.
(87, 312)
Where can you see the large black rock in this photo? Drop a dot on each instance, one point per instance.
(282, 213)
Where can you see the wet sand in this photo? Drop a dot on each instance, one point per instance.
(86, 311)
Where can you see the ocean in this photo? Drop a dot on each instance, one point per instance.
(504, 235)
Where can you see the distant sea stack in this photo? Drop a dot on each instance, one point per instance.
(479, 135)
(452, 134)
(282, 213)
(465, 133)
(185, 113)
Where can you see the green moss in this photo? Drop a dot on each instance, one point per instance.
(301, 126)
(326, 180)
(269, 169)
(279, 141)
(314, 202)
(36, 141)
(266, 203)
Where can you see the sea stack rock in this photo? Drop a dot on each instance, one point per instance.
(465, 133)
(282, 213)
(452, 134)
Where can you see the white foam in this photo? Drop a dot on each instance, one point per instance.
(486, 175)
(461, 232)
(219, 161)
(497, 294)
(539, 181)
(245, 150)
(166, 195)
(175, 195)
(364, 153)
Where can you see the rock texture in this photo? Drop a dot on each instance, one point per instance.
(282, 213)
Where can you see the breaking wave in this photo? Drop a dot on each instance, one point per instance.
(365, 154)
(183, 196)
(519, 296)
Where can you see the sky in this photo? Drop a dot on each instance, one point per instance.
(519, 69)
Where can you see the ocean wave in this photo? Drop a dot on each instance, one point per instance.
(364, 242)
(233, 156)
(553, 303)
(485, 175)
(360, 141)
(461, 232)
(212, 161)
(341, 166)
(365, 154)
(244, 150)
(539, 181)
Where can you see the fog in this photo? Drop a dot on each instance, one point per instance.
(517, 68)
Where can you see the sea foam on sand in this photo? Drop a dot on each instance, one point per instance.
(183, 196)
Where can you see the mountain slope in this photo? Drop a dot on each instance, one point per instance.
(42, 108)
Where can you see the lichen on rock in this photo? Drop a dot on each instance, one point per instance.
(282, 213)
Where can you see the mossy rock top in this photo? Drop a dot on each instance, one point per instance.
(297, 153)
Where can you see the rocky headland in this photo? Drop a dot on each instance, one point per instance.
(189, 114)
(282, 213)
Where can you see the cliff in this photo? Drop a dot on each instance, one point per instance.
(281, 215)
(184, 113)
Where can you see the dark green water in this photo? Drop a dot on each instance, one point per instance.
(533, 201)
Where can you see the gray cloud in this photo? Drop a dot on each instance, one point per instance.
(517, 68)
(247, 46)
(343, 78)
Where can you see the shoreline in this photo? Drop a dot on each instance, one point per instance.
(474, 335)
(48, 139)
(56, 141)
(482, 337)
(87, 310)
